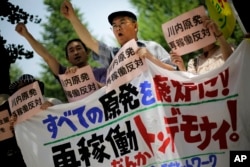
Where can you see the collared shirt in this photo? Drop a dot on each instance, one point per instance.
(106, 53)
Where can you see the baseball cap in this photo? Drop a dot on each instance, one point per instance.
(25, 78)
(121, 13)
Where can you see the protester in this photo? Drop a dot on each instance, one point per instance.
(10, 153)
(76, 54)
(212, 56)
(125, 27)
(25, 80)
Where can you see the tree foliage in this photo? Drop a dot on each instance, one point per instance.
(152, 14)
(15, 72)
(14, 14)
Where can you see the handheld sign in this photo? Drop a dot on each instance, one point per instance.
(26, 101)
(186, 33)
(80, 84)
(125, 66)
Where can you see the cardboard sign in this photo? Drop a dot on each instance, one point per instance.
(186, 33)
(26, 101)
(5, 132)
(125, 66)
(80, 84)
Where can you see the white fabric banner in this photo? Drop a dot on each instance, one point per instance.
(161, 118)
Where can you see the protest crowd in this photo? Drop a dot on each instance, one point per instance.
(145, 106)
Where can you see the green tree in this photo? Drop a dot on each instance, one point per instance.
(15, 72)
(57, 32)
(152, 14)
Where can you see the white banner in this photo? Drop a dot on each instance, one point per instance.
(161, 118)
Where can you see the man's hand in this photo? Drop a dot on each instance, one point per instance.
(67, 9)
(21, 29)
(71, 70)
(144, 53)
(177, 60)
(210, 24)
(46, 105)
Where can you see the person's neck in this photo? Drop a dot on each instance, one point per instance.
(136, 39)
(82, 65)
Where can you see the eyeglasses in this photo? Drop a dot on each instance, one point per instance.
(121, 25)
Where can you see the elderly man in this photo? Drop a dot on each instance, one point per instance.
(125, 27)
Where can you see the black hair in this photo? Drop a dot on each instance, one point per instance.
(74, 40)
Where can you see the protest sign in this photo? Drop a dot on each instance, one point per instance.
(80, 84)
(186, 33)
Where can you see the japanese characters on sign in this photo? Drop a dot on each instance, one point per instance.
(26, 101)
(125, 120)
(79, 84)
(125, 66)
(186, 33)
(5, 131)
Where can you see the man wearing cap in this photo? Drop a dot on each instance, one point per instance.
(125, 28)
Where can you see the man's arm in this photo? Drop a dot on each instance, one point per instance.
(178, 61)
(144, 53)
(39, 49)
(68, 12)
(225, 47)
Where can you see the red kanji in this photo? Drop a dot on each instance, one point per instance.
(183, 90)
(172, 130)
(162, 89)
(148, 137)
(190, 126)
(207, 127)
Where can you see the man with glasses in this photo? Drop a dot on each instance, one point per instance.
(125, 28)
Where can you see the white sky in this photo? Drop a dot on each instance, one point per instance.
(95, 13)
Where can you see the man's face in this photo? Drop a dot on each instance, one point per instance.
(124, 29)
(77, 54)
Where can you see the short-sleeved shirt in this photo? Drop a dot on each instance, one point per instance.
(99, 73)
(107, 53)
